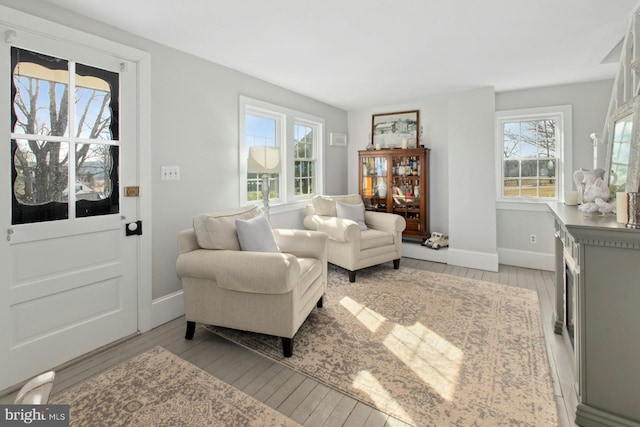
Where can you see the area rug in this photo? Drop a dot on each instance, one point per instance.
(427, 348)
(158, 388)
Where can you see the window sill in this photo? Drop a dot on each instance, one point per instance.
(519, 205)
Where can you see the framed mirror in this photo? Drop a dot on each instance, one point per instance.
(623, 151)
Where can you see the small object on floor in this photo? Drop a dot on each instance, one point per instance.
(436, 241)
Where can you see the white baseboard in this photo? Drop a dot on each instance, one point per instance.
(527, 259)
(479, 260)
(167, 308)
(417, 251)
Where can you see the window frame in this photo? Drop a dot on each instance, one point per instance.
(317, 131)
(563, 116)
(285, 140)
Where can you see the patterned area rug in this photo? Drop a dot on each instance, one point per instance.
(427, 348)
(157, 388)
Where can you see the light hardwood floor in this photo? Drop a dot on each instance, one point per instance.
(303, 399)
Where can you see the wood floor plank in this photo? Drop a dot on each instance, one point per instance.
(236, 364)
(324, 409)
(341, 412)
(253, 373)
(376, 419)
(297, 396)
(306, 407)
(394, 422)
(358, 417)
(268, 382)
(281, 394)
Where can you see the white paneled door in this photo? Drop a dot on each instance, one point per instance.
(68, 269)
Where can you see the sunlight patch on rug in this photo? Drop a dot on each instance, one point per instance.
(431, 357)
(368, 318)
(367, 383)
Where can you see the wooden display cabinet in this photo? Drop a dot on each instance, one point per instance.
(397, 181)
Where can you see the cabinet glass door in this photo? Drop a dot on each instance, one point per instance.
(405, 191)
(374, 183)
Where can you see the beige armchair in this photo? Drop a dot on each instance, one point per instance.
(354, 242)
(264, 292)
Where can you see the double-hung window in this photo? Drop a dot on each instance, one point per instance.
(299, 137)
(532, 147)
(305, 139)
(262, 129)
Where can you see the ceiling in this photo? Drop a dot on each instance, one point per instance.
(365, 53)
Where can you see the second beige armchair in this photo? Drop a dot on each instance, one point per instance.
(357, 238)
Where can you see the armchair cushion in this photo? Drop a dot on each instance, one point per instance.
(352, 212)
(375, 238)
(218, 230)
(255, 235)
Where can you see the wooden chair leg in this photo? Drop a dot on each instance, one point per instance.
(352, 276)
(191, 329)
(287, 346)
(396, 263)
(319, 303)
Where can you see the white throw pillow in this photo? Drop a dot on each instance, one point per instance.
(352, 212)
(255, 235)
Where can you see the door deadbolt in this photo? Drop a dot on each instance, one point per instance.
(134, 228)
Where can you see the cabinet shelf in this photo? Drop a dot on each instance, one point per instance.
(397, 181)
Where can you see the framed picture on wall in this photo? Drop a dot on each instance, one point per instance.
(389, 130)
(338, 139)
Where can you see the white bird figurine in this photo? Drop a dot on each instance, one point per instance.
(588, 208)
(604, 207)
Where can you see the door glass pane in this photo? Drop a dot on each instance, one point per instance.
(40, 94)
(94, 166)
(96, 103)
(40, 180)
(96, 184)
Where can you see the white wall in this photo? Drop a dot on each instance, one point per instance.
(194, 124)
(472, 194)
(589, 103)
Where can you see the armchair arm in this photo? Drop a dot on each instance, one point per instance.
(301, 243)
(251, 272)
(187, 241)
(385, 221)
(340, 229)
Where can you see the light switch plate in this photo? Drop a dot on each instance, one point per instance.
(170, 173)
